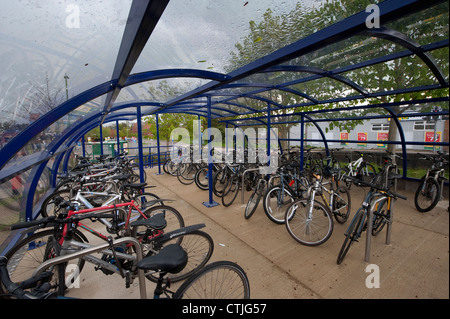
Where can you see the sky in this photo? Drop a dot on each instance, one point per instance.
(80, 39)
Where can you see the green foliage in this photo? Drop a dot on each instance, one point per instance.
(274, 32)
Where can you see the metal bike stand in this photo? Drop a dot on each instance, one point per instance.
(389, 225)
(370, 226)
(369, 234)
(61, 259)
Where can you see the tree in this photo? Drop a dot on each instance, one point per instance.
(274, 32)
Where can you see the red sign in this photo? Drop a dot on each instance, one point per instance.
(362, 137)
(382, 136)
(344, 137)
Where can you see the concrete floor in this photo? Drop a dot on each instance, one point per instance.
(414, 266)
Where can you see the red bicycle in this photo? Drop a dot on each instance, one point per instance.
(154, 227)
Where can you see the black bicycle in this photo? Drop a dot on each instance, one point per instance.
(293, 185)
(429, 192)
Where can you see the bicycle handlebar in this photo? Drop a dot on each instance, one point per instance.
(364, 183)
(40, 282)
(49, 221)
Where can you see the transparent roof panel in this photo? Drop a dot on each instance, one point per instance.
(201, 34)
(159, 91)
(46, 44)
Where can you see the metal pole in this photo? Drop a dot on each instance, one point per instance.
(268, 133)
(302, 140)
(101, 140)
(118, 137)
(211, 202)
(158, 145)
(87, 251)
(141, 153)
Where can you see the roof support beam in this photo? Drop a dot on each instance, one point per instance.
(142, 20)
(389, 10)
(410, 44)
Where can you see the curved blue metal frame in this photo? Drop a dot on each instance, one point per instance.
(143, 18)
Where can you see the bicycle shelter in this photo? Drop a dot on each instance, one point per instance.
(351, 68)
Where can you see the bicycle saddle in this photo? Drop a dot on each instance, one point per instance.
(156, 221)
(171, 258)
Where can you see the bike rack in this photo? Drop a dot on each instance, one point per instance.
(61, 259)
(370, 225)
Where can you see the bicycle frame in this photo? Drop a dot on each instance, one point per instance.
(438, 175)
(353, 166)
(132, 208)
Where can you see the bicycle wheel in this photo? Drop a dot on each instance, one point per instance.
(32, 251)
(218, 280)
(220, 179)
(341, 204)
(50, 205)
(275, 203)
(351, 235)
(230, 191)
(310, 226)
(427, 195)
(202, 178)
(166, 166)
(253, 201)
(380, 217)
(186, 173)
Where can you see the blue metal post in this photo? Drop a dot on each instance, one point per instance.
(157, 141)
(211, 202)
(302, 137)
(199, 137)
(118, 137)
(141, 153)
(83, 146)
(101, 139)
(268, 132)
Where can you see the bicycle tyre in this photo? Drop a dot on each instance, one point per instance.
(230, 191)
(343, 198)
(220, 179)
(50, 204)
(198, 245)
(32, 251)
(427, 195)
(276, 213)
(302, 229)
(379, 221)
(218, 280)
(351, 234)
(186, 173)
(252, 203)
(202, 179)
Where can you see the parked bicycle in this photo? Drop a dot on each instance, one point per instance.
(309, 221)
(379, 202)
(151, 229)
(358, 168)
(429, 192)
